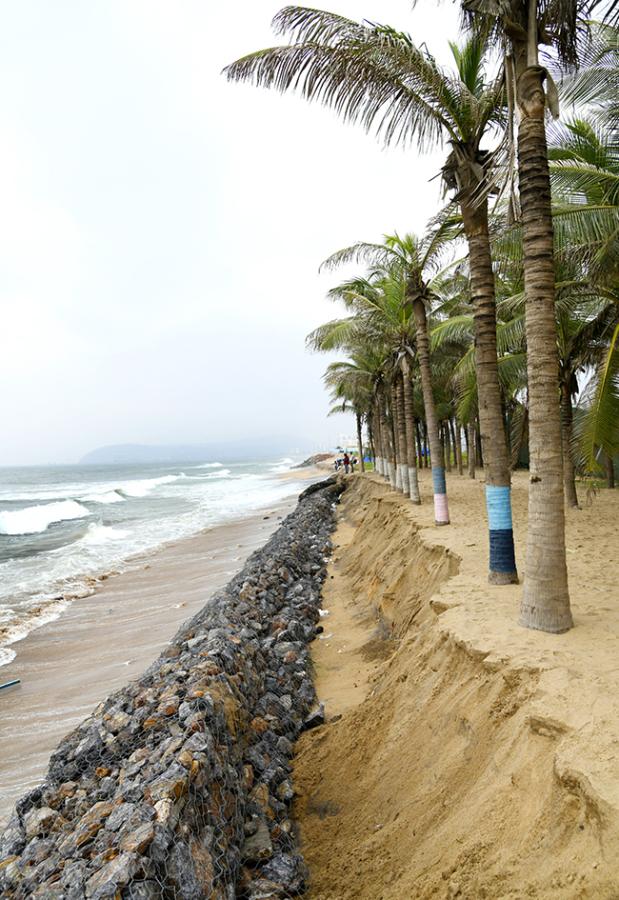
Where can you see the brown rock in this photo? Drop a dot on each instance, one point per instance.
(138, 840)
(87, 827)
(260, 795)
(169, 707)
(67, 789)
(171, 785)
(185, 758)
(259, 725)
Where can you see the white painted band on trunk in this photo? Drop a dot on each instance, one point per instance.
(405, 481)
(392, 474)
(413, 483)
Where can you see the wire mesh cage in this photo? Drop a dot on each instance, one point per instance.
(179, 785)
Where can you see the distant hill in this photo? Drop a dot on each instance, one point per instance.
(228, 451)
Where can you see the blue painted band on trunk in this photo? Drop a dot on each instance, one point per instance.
(438, 480)
(502, 557)
(499, 506)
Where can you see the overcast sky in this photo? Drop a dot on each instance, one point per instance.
(161, 229)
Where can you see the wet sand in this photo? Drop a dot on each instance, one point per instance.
(68, 666)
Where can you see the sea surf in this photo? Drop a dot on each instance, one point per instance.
(64, 527)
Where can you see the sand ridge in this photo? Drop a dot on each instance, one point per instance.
(464, 756)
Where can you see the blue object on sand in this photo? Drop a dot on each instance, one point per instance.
(8, 684)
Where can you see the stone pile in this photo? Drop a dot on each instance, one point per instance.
(178, 785)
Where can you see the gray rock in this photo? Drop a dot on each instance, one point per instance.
(39, 821)
(258, 846)
(114, 876)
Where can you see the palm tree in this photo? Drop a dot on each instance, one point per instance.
(377, 76)
(521, 25)
(351, 384)
(408, 275)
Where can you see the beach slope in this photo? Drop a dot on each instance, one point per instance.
(463, 756)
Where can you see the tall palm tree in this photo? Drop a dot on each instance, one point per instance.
(352, 387)
(408, 273)
(376, 76)
(522, 25)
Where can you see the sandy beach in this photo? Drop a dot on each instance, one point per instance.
(102, 641)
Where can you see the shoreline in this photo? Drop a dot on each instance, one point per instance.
(107, 638)
(88, 584)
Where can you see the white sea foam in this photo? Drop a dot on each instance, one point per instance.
(284, 465)
(142, 486)
(103, 534)
(104, 497)
(6, 656)
(34, 519)
(215, 465)
(220, 473)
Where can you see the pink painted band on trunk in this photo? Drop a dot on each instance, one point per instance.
(441, 509)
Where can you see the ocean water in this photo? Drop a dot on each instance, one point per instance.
(63, 526)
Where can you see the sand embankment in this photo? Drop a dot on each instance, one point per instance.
(463, 755)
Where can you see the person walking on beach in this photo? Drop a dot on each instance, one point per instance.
(346, 462)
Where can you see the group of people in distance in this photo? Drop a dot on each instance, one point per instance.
(347, 462)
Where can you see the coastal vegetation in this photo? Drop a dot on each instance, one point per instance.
(501, 322)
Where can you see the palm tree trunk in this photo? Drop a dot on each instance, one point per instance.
(382, 442)
(385, 430)
(419, 447)
(371, 440)
(502, 560)
(471, 448)
(569, 480)
(378, 459)
(409, 421)
(610, 470)
(388, 420)
(380, 445)
(426, 447)
(456, 441)
(546, 602)
(396, 436)
(401, 433)
(441, 507)
(479, 456)
(360, 443)
(446, 446)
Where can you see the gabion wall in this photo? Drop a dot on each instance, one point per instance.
(178, 785)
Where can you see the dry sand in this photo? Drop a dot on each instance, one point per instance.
(463, 756)
(102, 641)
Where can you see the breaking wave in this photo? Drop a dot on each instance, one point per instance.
(34, 519)
(143, 486)
(105, 497)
